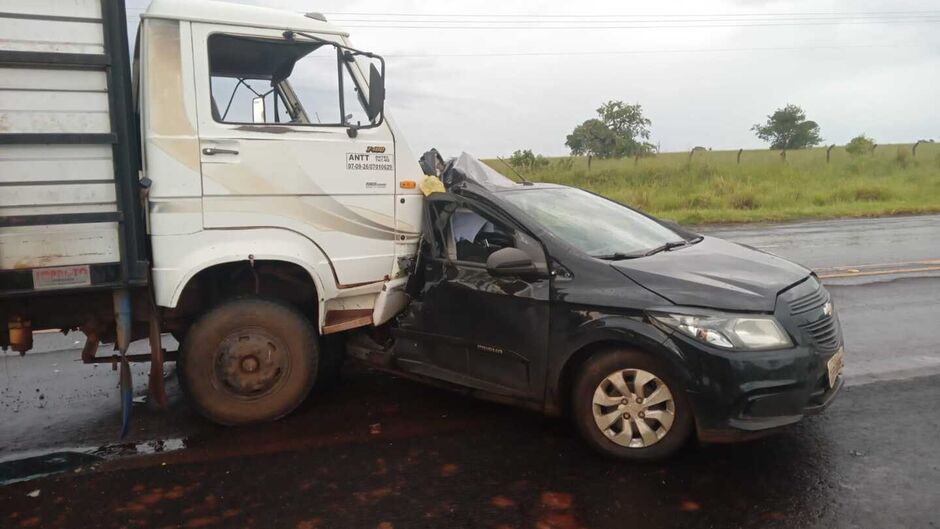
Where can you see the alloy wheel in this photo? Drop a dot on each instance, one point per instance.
(633, 408)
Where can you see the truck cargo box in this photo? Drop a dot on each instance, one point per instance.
(69, 193)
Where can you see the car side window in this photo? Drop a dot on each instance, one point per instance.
(474, 237)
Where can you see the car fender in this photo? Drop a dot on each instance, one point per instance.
(601, 331)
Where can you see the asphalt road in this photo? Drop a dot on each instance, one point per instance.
(379, 450)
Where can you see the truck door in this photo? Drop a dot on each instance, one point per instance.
(278, 150)
(466, 326)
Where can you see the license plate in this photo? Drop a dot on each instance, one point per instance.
(62, 277)
(835, 366)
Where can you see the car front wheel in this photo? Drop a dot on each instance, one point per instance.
(627, 404)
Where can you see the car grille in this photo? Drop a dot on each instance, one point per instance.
(803, 307)
(814, 300)
(824, 333)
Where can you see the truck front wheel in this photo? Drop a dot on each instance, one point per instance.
(249, 360)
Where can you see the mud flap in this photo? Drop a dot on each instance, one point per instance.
(127, 395)
(123, 320)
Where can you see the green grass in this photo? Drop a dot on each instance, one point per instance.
(713, 187)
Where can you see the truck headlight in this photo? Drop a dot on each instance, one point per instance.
(756, 332)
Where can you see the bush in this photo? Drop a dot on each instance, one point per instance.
(872, 194)
(527, 160)
(902, 158)
(860, 145)
(746, 200)
(564, 164)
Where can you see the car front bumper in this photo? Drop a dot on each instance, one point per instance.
(740, 395)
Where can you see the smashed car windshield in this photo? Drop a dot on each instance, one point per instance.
(592, 224)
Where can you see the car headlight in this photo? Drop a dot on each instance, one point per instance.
(755, 332)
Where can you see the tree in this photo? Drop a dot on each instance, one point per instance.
(621, 131)
(860, 145)
(592, 138)
(787, 128)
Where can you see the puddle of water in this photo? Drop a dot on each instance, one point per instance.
(135, 449)
(35, 467)
(24, 466)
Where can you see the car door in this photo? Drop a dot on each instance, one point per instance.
(277, 149)
(465, 325)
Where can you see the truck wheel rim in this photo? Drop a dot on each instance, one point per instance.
(633, 408)
(251, 364)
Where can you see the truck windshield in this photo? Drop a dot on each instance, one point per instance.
(595, 225)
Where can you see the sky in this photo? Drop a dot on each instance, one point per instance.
(490, 77)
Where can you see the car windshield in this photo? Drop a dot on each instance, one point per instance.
(595, 225)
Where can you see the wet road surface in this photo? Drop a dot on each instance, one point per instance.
(381, 450)
(843, 242)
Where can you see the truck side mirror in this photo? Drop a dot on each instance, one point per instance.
(257, 110)
(376, 93)
(510, 262)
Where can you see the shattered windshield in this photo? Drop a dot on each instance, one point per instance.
(592, 224)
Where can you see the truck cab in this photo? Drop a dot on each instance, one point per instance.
(236, 182)
(262, 149)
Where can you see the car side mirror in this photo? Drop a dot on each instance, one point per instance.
(257, 110)
(376, 93)
(510, 262)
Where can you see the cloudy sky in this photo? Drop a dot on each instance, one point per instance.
(491, 77)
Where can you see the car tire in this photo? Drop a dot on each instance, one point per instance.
(248, 360)
(597, 399)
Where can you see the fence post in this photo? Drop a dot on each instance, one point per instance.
(694, 149)
(589, 163)
(783, 155)
(829, 152)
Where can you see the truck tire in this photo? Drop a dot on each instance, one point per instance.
(629, 405)
(249, 360)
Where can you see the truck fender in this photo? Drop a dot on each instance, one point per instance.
(197, 252)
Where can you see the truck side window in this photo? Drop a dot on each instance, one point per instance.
(272, 81)
(475, 237)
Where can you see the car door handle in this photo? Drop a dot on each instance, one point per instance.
(211, 151)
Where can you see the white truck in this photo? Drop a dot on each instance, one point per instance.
(236, 182)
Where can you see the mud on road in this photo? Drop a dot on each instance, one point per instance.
(383, 452)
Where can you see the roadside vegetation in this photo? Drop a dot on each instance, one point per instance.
(612, 156)
(711, 186)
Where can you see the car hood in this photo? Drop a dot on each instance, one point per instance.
(715, 274)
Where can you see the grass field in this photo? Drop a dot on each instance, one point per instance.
(713, 187)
